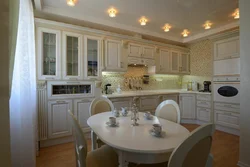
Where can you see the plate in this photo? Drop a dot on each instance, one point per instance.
(162, 134)
(112, 125)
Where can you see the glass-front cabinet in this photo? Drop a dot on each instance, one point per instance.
(48, 54)
(92, 48)
(72, 56)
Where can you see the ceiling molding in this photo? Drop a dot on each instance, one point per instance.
(38, 4)
(57, 11)
(211, 32)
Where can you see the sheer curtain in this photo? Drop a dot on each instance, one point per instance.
(23, 91)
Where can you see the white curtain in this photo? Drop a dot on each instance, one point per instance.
(23, 91)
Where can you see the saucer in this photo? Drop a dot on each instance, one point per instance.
(148, 118)
(112, 125)
(162, 134)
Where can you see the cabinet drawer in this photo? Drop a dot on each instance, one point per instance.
(227, 119)
(148, 103)
(204, 114)
(205, 104)
(204, 97)
(227, 107)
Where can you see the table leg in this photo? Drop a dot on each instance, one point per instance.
(122, 161)
(93, 138)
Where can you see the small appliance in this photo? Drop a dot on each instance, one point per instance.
(206, 86)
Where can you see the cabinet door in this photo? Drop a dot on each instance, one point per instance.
(121, 102)
(72, 61)
(204, 114)
(171, 97)
(135, 50)
(187, 106)
(134, 60)
(175, 66)
(113, 60)
(148, 103)
(92, 48)
(164, 61)
(227, 119)
(58, 118)
(81, 110)
(48, 51)
(148, 52)
(184, 63)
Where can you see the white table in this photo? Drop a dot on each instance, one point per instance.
(136, 144)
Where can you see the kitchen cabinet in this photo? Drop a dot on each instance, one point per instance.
(148, 52)
(142, 51)
(164, 61)
(92, 57)
(148, 103)
(58, 118)
(179, 62)
(113, 56)
(121, 102)
(135, 60)
(48, 54)
(227, 119)
(81, 111)
(173, 97)
(72, 56)
(184, 63)
(204, 108)
(175, 62)
(187, 106)
(203, 114)
(227, 48)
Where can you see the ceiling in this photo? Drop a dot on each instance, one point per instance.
(180, 14)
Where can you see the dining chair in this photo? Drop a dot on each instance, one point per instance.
(168, 110)
(99, 105)
(101, 157)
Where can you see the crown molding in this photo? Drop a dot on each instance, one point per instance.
(57, 11)
(38, 4)
(211, 32)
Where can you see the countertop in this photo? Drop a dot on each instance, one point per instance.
(153, 92)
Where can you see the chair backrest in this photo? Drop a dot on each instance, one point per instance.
(99, 105)
(194, 151)
(80, 142)
(168, 110)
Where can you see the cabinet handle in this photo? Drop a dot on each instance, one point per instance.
(60, 102)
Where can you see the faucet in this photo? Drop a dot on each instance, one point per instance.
(106, 88)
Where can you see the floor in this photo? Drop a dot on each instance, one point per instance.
(225, 149)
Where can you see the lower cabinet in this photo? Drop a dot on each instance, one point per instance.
(148, 103)
(187, 106)
(121, 102)
(173, 97)
(58, 118)
(204, 114)
(227, 119)
(81, 111)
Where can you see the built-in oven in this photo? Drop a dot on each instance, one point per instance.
(226, 89)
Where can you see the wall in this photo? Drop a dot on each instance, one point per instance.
(5, 157)
(201, 63)
(244, 85)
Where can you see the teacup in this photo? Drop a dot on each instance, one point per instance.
(124, 111)
(112, 120)
(116, 113)
(157, 129)
(147, 115)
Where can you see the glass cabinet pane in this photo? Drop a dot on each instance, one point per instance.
(92, 56)
(71, 89)
(72, 56)
(49, 54)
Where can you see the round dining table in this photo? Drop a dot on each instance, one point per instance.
(135, 143)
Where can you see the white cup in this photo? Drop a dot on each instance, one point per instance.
(112, 120)
(157, 129)
(124, 111)
(147, 115)
(116, 113)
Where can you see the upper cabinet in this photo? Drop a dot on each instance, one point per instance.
(48, 54)
(164, 61)
(175, 62)
(148, 52)
(136, 50)
(113, 56)
(227, 48)
(72, 56)
(92, 62)
(179, 62)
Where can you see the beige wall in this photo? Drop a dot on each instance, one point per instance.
(245, 82)
(4, 85)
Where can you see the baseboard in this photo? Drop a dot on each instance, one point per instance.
(241, 164)
(228, 130)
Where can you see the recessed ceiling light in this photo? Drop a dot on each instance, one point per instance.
(185, 33)
(143, 21)
(207, 25)
(112, 12)
(167, 28)
(236, 14)
(71, 2)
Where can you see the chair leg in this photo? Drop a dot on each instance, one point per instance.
(93, 139)
(210, 160)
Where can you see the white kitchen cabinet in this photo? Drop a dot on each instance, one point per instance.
(72, 56)
(142, 51)
(134, 50)
(58, 118)
(148, 52)
(227, 119)
(148, 103)
(164, 61)
(204, 108)
(179, 62)
(203, 114)
(92, 57)
(187, 106)
(81, 111)
(113, 56)
(48, 54)
(175, 62)
(184, 63)
(174, 97)
(136, 60)
(121, 102)
(227, 48)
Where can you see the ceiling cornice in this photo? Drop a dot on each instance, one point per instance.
(38, 4)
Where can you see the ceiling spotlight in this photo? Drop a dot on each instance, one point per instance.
(185, 33)
(236, 14)
(71, 2)
(112, 12)
(207, 25)
(143, 21)
(167, 28)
